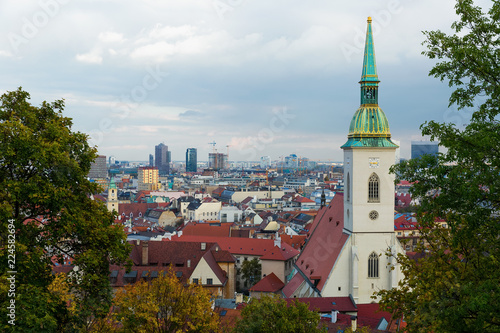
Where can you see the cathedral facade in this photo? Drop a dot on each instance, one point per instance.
(348, 242)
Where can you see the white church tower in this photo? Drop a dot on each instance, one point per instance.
(369, 187)
(345, 255)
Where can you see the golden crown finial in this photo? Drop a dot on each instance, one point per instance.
(369, 19)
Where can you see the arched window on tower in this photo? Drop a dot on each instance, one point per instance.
(373, 265)
(374, 188)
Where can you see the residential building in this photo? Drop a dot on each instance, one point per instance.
(148, 179)
(203, 211)
(151, 160)
(270, 284)
(230, 214)
(191, 160)
(98, 168)
(274, 255)
(162, 161)
(194, 262)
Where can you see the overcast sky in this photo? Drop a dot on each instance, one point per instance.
(265, 77)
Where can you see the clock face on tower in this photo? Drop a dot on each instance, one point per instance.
(374, 162)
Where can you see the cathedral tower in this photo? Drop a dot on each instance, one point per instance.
(369, 187)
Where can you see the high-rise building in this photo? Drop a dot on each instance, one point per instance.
(98, 168)
(217, 161)
(291, 161)
(151, 160)
(265, 162)
(161, 159)
(112, 160)
(191, 160)
(419, 148)
(148, 179)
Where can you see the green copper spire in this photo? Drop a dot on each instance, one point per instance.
(369, 125)
(369, 66)
(369, 78)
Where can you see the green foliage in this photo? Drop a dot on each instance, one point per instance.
(455, 287)
(271, 314)
(251, 271)
(164, 305)
(45, 191)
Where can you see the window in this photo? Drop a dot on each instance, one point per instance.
(348, 187)
(374, 188)
(195, 281)
(210, 281)
(373, 265)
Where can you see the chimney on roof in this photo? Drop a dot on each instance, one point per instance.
(145, 253)
(334, 316)
(277, 240)
(354, 323)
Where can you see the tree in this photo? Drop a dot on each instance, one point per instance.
(455, 286)
(251, 271)
(165, 305)
(46, 208)
(271, 314)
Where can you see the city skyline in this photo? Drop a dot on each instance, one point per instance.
(195, 72)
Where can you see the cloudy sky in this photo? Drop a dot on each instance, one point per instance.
(264, 77)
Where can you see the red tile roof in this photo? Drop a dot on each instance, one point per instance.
(248, 246)
(302, 199)
(207, 229)
(269, 284)
(295, 241)
(326, 237)
(138, 207)
(327, 304)
(182, 257)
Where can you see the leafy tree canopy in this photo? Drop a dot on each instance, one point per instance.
(271, 314)
(251, 271)
(455, 286)
(45, 197)
(164, 305)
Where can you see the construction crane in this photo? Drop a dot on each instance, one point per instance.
(213, 145)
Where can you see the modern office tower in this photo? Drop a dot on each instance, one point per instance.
(162, 161)
(191, 160)
(291, 161)
(265, 162)
(98, 168)
(148, 178)
(111, 160)
(217, 161)
(419, 148)
(151, 160)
